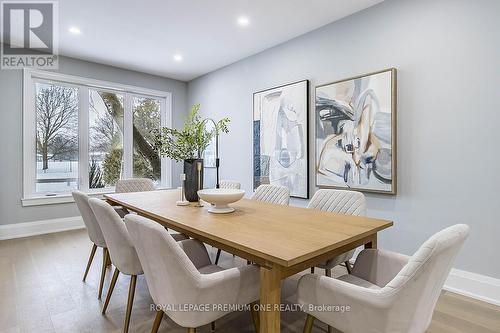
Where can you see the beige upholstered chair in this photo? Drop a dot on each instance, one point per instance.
(132, 185)
(95, 235)
(231, 184)
(267, 193)
(181, 273)
(273, 194)
(386, 292)
(341, 202)
(121, 250)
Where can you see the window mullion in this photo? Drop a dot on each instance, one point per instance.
(128, 119)
(83, 138)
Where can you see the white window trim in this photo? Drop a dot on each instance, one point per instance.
(30, 197)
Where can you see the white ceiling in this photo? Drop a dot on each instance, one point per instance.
(144, 35)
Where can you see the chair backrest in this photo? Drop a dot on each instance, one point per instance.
(120, 246)
(135, 185)
(230, 184)
(339, 201)
(171, 276)
(272, 194)
(93, 228)
(418, 285)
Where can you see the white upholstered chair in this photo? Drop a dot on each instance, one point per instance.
(273, 194)
(121, 250)
(132, 185)
(267, 193)
(231, 184)
(341, 202)
(95, 235)
(386, 292)
(181, 274)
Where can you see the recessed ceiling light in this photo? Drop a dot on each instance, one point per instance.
(178, 57)
(243, 21)
(75, 30)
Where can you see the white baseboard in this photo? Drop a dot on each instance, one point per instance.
(481, 287)
(26, 229)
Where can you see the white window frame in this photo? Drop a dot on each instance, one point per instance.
(30, 77)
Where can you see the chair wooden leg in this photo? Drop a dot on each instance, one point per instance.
(110, 290)
(348, 267)
(255, 316)
(328, 272)
(157, 322)
(312, 270)
(191, 330)
(217, 257)
(309, 324)
(91, 258)
(130, 302)
(105, 255)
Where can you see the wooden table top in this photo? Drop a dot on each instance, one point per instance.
(283, 235)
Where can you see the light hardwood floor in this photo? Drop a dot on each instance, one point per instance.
(41, 290)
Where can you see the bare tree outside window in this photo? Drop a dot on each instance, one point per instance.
(56, 137)
(105, 138)
(147, 162)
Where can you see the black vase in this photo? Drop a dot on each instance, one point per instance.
(191, 170)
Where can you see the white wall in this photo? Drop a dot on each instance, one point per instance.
(447, 53)
(11, 162)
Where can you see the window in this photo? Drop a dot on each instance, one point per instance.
(56, 107)
(106, 114)
(146, 113)
(86, 134)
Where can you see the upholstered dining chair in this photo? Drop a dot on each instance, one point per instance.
(132, 185)
(387, 291)
(121, 250)
(95, 235)
(180, 273)
(341, 202)
(275, 194)
(230, 184)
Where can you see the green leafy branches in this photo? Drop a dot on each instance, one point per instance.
(190, 141)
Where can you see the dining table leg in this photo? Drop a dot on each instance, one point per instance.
(270, 299)
(372, 244)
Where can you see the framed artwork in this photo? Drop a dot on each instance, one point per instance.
(280, 137)
(355, 139)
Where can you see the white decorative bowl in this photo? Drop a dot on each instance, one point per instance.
(220, 198)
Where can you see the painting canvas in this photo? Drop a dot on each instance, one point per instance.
(355, 136)
(280, 119)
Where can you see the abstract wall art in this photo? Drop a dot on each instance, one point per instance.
(355, 140)
(280, 137)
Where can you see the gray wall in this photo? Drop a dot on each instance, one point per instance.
(448, 60)
(11, 176)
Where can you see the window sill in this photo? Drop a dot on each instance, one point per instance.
(57, 199)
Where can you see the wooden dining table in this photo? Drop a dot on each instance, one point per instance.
(282, 240)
